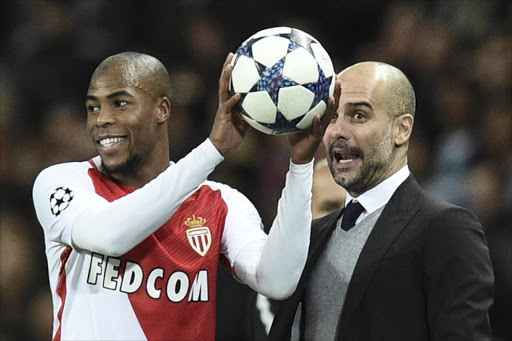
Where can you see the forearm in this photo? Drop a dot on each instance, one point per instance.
(116, 227)
(273, 267)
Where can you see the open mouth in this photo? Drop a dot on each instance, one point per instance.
(110, 141)
(343, 156)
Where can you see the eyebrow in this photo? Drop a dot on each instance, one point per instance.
(360, 104)
(112, 95)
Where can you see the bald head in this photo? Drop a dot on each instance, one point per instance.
(140, 70)
(398, 92)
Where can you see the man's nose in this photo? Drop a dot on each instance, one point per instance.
(105, 116)
(339, 128)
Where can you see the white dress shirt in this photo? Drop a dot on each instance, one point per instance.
(378, 196)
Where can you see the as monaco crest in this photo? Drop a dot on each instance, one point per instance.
(199, 236)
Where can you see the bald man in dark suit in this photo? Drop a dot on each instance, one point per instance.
(395, 263)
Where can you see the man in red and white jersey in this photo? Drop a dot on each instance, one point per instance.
(134, 241)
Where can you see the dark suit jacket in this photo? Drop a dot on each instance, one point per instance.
(423, 274)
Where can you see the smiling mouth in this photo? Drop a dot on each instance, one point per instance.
(110, 141)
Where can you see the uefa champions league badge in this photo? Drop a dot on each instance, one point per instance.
(198, 235)
(60, 199)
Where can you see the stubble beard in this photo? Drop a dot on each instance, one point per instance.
(129, 167)
(374, 165)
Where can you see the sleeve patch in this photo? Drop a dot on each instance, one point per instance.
(60, 199)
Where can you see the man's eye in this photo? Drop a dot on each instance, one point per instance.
(93, 108)
(334, 116)
(359, 116)
(120, 104)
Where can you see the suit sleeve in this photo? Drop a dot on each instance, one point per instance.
(458, 277)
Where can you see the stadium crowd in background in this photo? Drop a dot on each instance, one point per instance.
(458, 55)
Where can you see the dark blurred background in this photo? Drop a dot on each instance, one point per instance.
(458, 55)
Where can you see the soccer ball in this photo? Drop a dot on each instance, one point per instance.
(285, 78)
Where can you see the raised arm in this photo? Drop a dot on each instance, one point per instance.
(113, 228)
(273, 267)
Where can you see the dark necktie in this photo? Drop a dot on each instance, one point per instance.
(352, 212)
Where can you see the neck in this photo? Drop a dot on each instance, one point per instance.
(140, 178)
(140, 170)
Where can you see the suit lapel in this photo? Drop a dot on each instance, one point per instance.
(395, 216)
(321, 231)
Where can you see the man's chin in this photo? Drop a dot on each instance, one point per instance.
(110, 170)
(343, 176)
(127, 167)
(347, 181)
(113, 166)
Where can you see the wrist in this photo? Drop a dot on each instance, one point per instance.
(299, 165)
(301, 160)
(217, 146)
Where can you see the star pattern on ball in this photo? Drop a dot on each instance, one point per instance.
(60, 199)
(284, 77)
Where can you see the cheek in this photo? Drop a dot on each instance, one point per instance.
(90, 125)
(325, 140)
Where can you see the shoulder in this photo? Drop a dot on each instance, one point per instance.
(65, 168)
(411, 195)
(448, 221)
(55, 188)
(440, 208)
(62, 173)
(430, 211)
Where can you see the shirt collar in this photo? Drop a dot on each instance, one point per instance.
(379, 195)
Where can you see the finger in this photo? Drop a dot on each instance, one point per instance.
(228, 60)
(332, 105)
(337, 93)
(232, 101)
(327, 116)
(317, 126)
(228, 107)
(226, 63)
(336, 96)
(224, 78)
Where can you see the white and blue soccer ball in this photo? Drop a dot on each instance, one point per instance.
(285, 78)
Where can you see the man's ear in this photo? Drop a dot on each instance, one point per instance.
(163, 109)
(403, 128)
